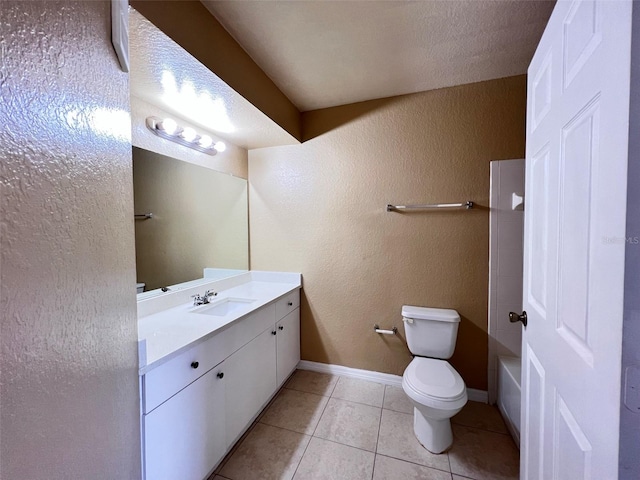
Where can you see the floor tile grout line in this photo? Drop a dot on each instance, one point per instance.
(335, 385)
(355, 403)
(397, 411)
(373, 472)
(286, 384)
(380, 422)
(344, 444)
(483, 430)
(320, 418)
(359, 403)
(287, 429)
(384, 394)
(368, 381)
(301, 457)
(381, 409)
(324, 411)
(414, 463)
(292, 431)
(306, 391)
(284, 428)
(313, 436)
(349, 400)
(235, 448)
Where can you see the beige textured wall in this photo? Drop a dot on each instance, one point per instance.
(200, 220)
(192, 27)
(319, 208)
(69, 360)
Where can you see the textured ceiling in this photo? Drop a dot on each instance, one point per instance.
(327, 53)
(165, 75)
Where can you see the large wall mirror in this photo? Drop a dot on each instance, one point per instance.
(200, 220)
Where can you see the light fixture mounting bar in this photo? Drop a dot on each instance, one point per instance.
(153, 124)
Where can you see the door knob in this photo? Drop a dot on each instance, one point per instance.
(514, 317)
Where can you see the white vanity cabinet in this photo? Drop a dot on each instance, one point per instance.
(251, 380)
(198, 404)
(287, 345)
(182, 436)
(288, 335)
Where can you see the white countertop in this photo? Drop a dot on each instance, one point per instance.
(168, 325)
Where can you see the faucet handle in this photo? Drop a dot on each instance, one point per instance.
(210, 293)
(198, 300)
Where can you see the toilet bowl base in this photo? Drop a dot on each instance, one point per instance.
(434, 435)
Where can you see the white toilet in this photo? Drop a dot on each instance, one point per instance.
(436, 390)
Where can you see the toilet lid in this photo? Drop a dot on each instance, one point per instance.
(434, 378)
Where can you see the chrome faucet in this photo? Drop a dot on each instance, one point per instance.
(203, 299)
(210, 293)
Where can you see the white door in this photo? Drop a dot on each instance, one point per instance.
(576, 163)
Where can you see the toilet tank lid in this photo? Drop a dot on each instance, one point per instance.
(425, 313)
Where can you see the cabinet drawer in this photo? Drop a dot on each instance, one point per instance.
(169, 378)
(245, 330)
(287, 304)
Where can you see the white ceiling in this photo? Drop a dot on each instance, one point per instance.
(327, 53)
(168, 77)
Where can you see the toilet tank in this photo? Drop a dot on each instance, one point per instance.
(430, 332)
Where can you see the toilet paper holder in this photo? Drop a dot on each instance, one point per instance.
(377, 329)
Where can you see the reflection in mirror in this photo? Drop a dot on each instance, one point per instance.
(200, 220)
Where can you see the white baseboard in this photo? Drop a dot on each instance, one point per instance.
(384, 378)
(481, 396)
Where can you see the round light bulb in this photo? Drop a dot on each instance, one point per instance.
(188, 134)
(205, 141)
(220, 147)
(168, 125)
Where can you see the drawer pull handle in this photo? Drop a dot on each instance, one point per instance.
(274, 332)
(290, 303)
(280, 327)
(195, 364)
(221, 375)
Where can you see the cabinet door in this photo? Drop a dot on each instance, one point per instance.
(184, 437)
(288, 339)
(250, 376)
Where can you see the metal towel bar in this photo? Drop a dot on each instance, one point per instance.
(467, 205)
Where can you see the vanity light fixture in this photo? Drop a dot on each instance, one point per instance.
(168, 128)
(188, 134)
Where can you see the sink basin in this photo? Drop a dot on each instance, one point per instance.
(223, 307)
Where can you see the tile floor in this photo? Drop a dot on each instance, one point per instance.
(322, 426)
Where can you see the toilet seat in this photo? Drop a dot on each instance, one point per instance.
(435, 383)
